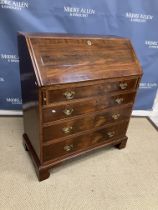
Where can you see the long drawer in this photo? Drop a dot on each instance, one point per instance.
(82, 142)
(58, 112)
(70, 93)
(72, 126)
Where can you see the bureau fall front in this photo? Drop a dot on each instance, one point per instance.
(77, 93)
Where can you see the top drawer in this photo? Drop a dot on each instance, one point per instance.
(72, 92)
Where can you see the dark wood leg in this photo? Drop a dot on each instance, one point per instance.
(122, 144)
(25, 146)
(43, 173)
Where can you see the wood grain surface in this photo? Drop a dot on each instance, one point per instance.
(78, 93)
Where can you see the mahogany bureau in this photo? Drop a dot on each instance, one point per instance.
(77, 93)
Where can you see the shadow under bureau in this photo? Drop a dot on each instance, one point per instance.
(77, 93)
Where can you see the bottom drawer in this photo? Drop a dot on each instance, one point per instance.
(82, 142)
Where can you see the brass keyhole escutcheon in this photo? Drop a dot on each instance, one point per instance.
(89, 42)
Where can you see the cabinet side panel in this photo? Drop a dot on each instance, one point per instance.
(30, 96)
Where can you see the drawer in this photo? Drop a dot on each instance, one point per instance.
(72, 126)
(58, 112)
(83, 142)
(70, 93)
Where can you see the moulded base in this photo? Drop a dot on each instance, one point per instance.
(42, 171)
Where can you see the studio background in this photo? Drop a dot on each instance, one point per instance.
(136, 20)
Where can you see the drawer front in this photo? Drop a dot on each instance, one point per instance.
(70, 93)
(88, 106)
(83, 142)
(69, 127)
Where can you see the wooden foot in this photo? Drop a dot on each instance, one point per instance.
(25, 146)
(122, 144)
(41, 171)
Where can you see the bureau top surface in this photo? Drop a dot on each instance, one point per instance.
(61, 59)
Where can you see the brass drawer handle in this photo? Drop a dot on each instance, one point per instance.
(123, 85)
(111, 134)
(119, 100)
(67, 130)
(69, 94)
(115, 116)
(68, 112)
(68, 148)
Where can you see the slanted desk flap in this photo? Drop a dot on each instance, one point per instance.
(66, 59)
